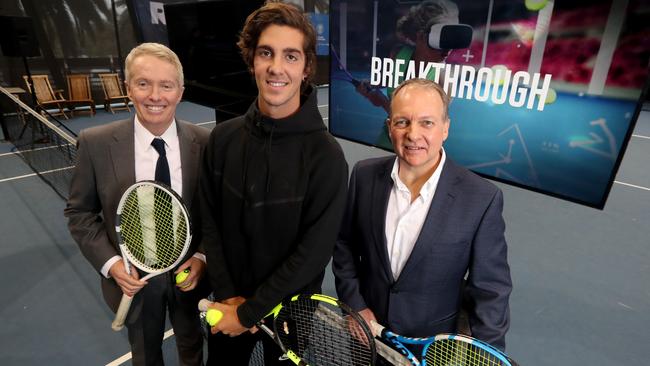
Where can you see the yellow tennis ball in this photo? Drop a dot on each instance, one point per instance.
(182, 276)
(213, 316)
(535, 5)
(551, 96)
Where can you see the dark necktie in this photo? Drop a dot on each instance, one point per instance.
(162, 205)
(162, 166)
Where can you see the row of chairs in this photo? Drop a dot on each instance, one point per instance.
(79, 93)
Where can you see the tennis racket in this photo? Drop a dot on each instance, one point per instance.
(153, 231)
(316, 330)
(445, 349)
(340, 72)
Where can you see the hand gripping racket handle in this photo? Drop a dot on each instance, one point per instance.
(122, 311)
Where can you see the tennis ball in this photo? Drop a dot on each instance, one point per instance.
(213, 316)
(502, 75)
(182, 276)
(551, 96)
(535, 5)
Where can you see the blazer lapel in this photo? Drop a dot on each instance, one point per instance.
(379, 205)
(190, 151)
(436, 218)
(122, 154)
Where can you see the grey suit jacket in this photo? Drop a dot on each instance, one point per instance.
(462, 233)
(105, 169)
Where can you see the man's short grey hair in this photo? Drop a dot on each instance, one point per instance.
(426, 83)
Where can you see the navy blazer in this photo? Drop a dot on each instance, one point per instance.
(463, 233)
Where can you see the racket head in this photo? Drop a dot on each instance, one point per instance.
(343, 73)
(459, 349)
(153, 227)
(321, 330)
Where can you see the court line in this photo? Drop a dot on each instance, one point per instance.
(642, 137)
(632, 185)
(31, 150)
(127, 356)
(34, 174)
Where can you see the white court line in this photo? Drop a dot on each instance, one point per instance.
(30, 150)
(9, 153)
(642, 137)
(128, 356)
(34, 174)
(632, 185)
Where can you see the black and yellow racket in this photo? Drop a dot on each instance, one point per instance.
(315, 330)
(153, 231)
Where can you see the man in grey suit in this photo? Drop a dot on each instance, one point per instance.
(110, 158)
(421, 236)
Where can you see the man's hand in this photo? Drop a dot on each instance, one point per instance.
(358, 333)
(229, 323)
(130, 284)
(197, 268)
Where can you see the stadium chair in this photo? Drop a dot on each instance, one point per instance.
(113, 92)
(45, 96)
(79, 92)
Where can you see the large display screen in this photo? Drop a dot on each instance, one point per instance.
(545, 94)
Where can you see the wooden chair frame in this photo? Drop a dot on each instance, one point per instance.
(113, 92)
(79, 92)
(45, 95)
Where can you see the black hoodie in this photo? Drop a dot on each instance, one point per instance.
(274, 193)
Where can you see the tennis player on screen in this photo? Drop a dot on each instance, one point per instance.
(416, 225)
(153, 145)
(427, 32)
(274, 186)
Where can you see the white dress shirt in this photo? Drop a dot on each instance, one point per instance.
(146, 155)
(404, 220)
(146, 158)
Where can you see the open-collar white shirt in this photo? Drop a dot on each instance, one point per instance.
(404, 220)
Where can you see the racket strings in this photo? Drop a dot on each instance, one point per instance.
(447, 352)
(321, 335)
(153, 227)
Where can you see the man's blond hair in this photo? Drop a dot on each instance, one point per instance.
(157, 50)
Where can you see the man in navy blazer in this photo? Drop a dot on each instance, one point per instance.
(423, 237)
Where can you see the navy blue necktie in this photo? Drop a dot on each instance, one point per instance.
(162, 166)
(162, 204)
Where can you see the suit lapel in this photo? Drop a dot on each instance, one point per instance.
(190, 151)
(436, 218)
(122, 154)
(379, 205)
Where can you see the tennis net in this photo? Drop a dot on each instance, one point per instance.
(49, 149)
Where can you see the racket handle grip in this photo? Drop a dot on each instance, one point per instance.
(122, 311)
(375, 328)
(204, 304)
(212, 316)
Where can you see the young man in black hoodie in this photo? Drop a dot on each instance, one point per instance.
(274, 185)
